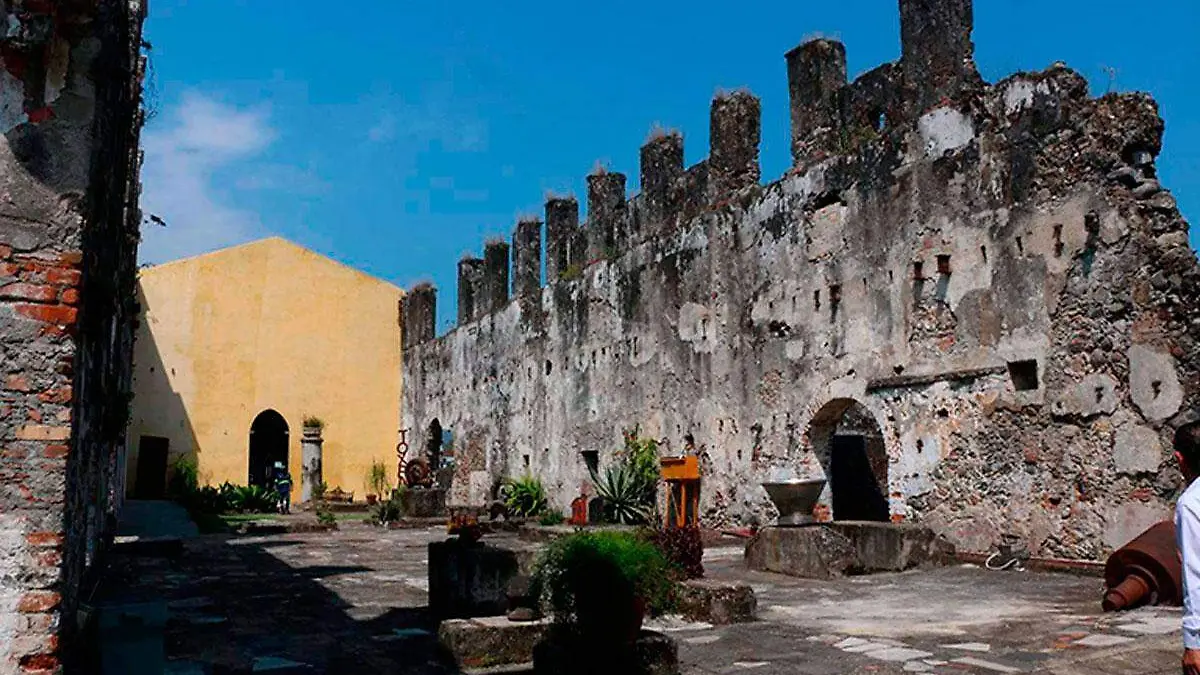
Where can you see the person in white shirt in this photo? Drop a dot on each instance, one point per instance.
(1187, 533)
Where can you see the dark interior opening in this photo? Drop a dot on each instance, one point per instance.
(268, 445)
(151, 478)
(1024, 374)
(856, 492)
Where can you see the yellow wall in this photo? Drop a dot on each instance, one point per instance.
(267, 325)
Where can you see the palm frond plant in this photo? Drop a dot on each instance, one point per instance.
(524, 497)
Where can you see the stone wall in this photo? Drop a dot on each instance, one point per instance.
(70, 92)
(989, 272)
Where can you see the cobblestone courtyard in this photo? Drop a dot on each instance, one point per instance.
(353, 601)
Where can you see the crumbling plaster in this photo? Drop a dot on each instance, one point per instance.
(935, 233)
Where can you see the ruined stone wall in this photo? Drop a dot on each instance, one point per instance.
(990, 272)
(70, 92)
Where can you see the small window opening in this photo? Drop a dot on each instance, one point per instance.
(1058, 242)
(1157, 387)
(549, 366)
(918, 270)
(1020, 246)
(943, 263)
(1024, 374)
(817, 301)
(891, 277)
(591, 459)
(525, 459)
(983, 252)
(1099, 394)
(835, 299)
(920, 445)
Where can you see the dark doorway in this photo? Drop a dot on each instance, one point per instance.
(433, 446)
(151, 468)
(268, 444)
(856, 493)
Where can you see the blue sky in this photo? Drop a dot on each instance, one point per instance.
(396, 136)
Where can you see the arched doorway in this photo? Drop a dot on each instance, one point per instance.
(849, 444)
(268, 444)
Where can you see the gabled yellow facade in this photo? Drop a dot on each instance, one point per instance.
(266, 326)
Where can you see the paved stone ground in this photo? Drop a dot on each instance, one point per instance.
(352, 601)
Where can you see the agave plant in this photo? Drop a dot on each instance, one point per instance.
(624, 492)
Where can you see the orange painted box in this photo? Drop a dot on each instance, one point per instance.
(680, 468)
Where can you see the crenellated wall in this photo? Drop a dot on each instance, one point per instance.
(987, 276)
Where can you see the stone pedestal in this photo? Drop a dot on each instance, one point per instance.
(716, 602)
(652, 654)
(831, 550)
(469, 579)
(491, 641)
(423, 503)
(310, 462)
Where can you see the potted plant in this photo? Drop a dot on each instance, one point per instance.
(377, 482)
(599, 585)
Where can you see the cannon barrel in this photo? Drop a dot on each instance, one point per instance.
(1147, 570)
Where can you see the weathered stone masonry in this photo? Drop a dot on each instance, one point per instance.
(988, 274)
(70, 94)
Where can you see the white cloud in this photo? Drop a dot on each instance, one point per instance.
(437, 116)
(200, 137)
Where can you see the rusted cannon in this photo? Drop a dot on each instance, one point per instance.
(1147, 570)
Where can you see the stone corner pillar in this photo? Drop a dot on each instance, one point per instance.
(310, 462)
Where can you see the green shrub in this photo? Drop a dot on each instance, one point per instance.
(551, 517)
(387, 511)
(589, 581)
(326, 517)
(185, 477)
(319, 490)
(248, 498)
(377, 479)
(524, 497)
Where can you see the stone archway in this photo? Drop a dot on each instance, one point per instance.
(848, 443)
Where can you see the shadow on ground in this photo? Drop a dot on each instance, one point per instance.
(238, 605)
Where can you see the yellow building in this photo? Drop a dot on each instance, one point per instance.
(237, 347)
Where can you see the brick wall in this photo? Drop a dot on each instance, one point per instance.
(70, 96)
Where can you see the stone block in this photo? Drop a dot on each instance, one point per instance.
(652, 654)
(1154, 383)
(424, 503)
(832, 550)
(1137, 449)
(716, 602)
(469, 579)
(491, 641)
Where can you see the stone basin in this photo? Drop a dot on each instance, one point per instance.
(795, 499)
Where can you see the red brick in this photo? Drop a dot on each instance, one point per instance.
(31, 292)
(5, 252)
(58, 315)
(17, 383)
(38, 601)
(56, 451)
(70, 296)
(62, 277)
(34, 415)
(72, 257)
(57, 395)
(40, 432)
(36, 664)
(14, 452)
(9, 269)
(44, 539)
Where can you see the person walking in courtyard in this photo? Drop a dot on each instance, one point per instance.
(1187, 532)
(283, 488)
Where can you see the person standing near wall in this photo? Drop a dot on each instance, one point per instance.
(283, 487)
(1187, 532)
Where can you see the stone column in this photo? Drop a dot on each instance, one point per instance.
(310, 462)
